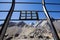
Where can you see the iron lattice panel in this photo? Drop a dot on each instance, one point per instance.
(28, 15)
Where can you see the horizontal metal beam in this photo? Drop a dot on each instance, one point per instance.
(30, 3)
(26, 10)
(24, 19)
(21, 2)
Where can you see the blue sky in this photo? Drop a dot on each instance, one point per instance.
(15, 15)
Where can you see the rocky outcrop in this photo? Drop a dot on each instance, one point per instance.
(23, 31)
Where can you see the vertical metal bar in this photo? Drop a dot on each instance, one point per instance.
(53, 30)
(25, 15)
(37, 15)
(20, 15)
(31, 14)
(4, 26)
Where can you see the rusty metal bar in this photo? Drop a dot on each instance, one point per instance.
(53, 30)
(6, 22)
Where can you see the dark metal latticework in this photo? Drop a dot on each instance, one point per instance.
(27, 15)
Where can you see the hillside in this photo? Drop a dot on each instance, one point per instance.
(23, 31)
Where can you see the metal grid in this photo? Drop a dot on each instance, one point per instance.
(28, 15)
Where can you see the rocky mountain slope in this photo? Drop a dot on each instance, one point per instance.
(23, 31)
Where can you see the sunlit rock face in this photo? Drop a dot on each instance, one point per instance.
(33, 34)
(23, 31)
